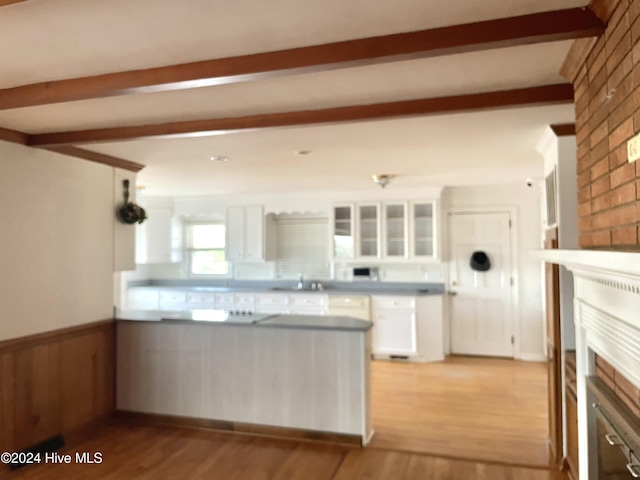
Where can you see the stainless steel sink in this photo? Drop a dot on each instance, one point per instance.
(292, 289)
(295, 289)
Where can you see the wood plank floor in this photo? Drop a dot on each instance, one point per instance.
(473, 408)
(159, 453)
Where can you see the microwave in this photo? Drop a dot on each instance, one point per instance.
(365, 273)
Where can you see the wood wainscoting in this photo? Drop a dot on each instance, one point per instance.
(56, 383)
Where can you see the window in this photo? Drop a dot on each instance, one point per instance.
(206, 249)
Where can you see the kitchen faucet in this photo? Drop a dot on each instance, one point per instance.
(300, 281)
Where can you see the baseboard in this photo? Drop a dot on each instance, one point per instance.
(532, 357)
(138, 418)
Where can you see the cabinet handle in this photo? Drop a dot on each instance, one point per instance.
(634, 469)
(613, 439)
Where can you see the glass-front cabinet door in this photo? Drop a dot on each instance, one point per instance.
(395, 230)
(369, 230)
(422, 233)
(343, 231)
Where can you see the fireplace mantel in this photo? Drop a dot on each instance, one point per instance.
(607, 322)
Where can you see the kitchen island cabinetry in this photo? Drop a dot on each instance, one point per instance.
(293, 372)
(408, 327)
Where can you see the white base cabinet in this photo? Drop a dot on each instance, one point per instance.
(408, 327)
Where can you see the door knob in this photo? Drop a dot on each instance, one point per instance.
(454, 283)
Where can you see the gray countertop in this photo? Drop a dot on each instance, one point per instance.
(222, 317)
(330, 288)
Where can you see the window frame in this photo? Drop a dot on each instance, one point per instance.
(189, 250)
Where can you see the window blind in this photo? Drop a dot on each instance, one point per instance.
(302, 247)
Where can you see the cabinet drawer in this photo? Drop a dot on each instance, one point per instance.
(173, 297)
(243, 299)
(307, 310)
(353, 301)
(307, 300)
(272, 299)
(225, 298)
(143, 295)
(143, 299)
(382, 302)
(201, 297)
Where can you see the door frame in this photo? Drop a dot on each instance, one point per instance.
(515, 290)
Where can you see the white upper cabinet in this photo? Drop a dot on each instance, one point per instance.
(369, 230)
(423, 229)
(387, 231)
(159, 237)
(250, 234)
(343, 231)
(395, 228)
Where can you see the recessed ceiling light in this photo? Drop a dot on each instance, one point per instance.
(303, 152)
(218, 158)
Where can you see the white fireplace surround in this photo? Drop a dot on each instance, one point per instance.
(607, 322)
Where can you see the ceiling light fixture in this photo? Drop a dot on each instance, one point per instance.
(303, 152)
(218, 158)
(382, 179)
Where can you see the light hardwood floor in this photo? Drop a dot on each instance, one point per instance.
(461, 412)
(474, 408)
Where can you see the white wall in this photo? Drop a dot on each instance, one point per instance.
(300, 202)
(526, 202)
(56, 254)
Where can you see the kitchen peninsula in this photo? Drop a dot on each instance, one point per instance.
(301, 374)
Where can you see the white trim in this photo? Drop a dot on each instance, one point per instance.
(607, 302)
(513, 238)
(532, 357)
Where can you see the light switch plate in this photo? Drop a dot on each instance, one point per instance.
(633, 149)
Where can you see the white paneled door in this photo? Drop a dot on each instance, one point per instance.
(480, 301)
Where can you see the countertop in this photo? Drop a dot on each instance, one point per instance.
(330, 288)
(222, 317)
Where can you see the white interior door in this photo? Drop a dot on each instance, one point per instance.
(480, 302)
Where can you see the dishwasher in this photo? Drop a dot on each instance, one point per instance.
(357, 306)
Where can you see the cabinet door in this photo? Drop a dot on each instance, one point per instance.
(199, 300)
(172, 300)
(368, 230)
(272, 303)
(394, 332)
(143, 298)
(343, 231)
(157, 240)
(253, 233)
(395, 230)
(313, 304)
(235, 234)
(423, 229)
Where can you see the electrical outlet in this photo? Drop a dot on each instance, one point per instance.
(633, 149)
